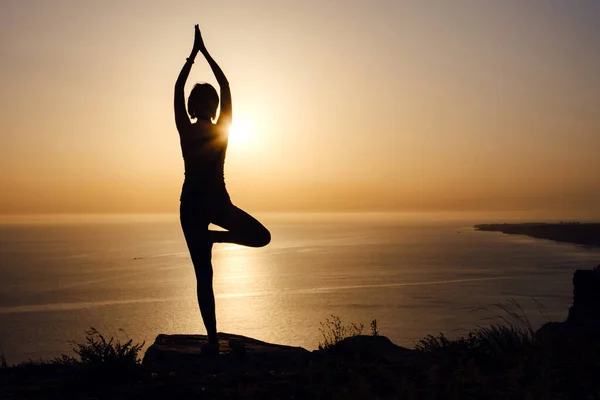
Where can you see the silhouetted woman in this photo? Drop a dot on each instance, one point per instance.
(204, 198)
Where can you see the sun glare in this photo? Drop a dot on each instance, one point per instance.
(241, 131)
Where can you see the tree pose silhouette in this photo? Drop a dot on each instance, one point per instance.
(204, 198)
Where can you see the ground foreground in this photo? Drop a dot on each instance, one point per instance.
(508, 361)
(503, 365)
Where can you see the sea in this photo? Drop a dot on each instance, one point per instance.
(416, 274)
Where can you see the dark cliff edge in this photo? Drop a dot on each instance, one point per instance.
(587, 234)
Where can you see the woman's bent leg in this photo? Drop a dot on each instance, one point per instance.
(195, 230)
(242, 228)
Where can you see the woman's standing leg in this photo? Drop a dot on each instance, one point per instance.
(195, 230)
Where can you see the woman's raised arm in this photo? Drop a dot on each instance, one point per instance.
(181, 116)
(226, 113)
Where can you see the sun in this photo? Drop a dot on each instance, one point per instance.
(241, 131)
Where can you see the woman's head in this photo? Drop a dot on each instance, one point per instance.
(203, 102)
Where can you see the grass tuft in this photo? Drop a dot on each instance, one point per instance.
(107, 357)
(374, 330)
(3, 362)
(334, 331)
(514, 333)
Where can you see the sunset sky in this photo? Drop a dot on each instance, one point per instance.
(341, 105)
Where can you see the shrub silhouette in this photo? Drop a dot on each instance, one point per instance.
(105, 357)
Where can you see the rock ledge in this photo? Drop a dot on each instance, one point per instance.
(171, 353)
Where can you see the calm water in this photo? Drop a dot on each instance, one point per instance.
(415, 274)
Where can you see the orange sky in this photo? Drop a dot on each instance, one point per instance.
(353, 105)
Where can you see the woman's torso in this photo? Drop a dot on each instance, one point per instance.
(203, 148)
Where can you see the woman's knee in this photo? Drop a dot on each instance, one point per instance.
(261, 237)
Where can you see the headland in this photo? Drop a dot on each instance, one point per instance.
(587, 234)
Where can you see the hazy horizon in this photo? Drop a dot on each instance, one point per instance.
(403, 217)
(339, 106)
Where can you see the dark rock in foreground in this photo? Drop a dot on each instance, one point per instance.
(585, 310)
(249, 368)
(587, 234)
(378, 349)
(584, 314)
(171, 353)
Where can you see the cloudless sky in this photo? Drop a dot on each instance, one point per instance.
(340, 105)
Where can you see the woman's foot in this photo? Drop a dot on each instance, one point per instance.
(216, 236)
(237, 348)
(210, 349)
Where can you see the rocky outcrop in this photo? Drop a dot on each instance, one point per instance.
(378, 349)
(182, 353)
(171, 353)
(585, 311)
(584, 314)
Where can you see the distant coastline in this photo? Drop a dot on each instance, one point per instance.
(587, 234)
